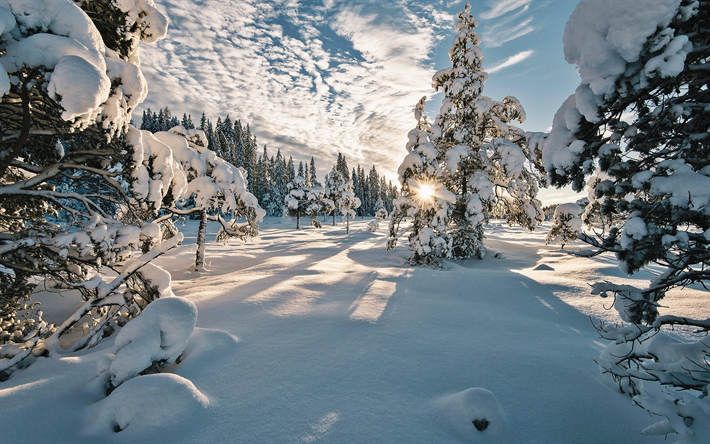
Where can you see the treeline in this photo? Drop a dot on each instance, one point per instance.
(269, 176)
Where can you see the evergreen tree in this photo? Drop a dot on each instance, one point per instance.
(312, 173)
(424, 200)
(58, 141)
(335, 185)
(203, 122)
(566, 225)
(645, 126)
(488, 164)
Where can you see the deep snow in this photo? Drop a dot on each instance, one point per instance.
(323, 336)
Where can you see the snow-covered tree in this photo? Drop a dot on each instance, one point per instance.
(296, 202)
(335, 186)
(347, 203)
(68, 87)
(380, 215)
(215, 188)
(566, 224)
(641, 116)
(424, 201)
(488, 164)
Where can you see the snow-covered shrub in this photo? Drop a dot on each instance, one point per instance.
(154, 339)
(487, 162)
(423, 200)
(148, 401)
(69, 85)
(640, 115)
(566, 224)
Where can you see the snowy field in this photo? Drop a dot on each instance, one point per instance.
(323, 336)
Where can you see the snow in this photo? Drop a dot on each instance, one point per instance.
(341, 341)
(602, 41)
(147, 402)
(159, 334)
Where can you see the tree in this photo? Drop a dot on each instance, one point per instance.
(335, 185)
(67, 97)
(346, 203)
(642, 118)
(214, 186)
(380, 215)
(296, 202)
(566, 224)
(424, 200)
(488, 164)
(312, 173)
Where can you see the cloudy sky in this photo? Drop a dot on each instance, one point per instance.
(315, 77)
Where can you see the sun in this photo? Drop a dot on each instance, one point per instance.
(426, 191)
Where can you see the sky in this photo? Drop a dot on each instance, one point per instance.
(318, 77)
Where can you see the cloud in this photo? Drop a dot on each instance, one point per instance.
(512, 60)
(309, 79)
(502, 7)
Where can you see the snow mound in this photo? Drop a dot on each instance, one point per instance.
(148, 401)
(158, 335)
(473, 413)
(544, 267)
(205, 348)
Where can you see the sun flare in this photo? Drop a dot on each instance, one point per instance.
(426, 191)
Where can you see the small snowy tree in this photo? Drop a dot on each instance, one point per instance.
(214, 187)
(380, 215)
(566, 224)
(641, 116)
(335, 186)
(488, 164)
(347, 203)
(296, 201)
(423, 201)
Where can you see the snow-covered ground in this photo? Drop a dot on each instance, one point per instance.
(323, 336)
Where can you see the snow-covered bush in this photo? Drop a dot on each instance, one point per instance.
(566, 224)
(487, 162)
(154, 339)
(423, 200)
(640, 114)
(69, 85)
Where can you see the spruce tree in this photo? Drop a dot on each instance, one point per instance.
(644, 126)
(425, 202)
(488, 164)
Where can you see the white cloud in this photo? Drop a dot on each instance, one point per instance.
(277, 66)
(512, 60)
(501, 7)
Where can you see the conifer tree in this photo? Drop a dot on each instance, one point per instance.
(424, 201)
(312, 173)
(487, 161)
(645, 124)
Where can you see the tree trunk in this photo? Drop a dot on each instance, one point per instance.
(298, 219)
(334, 217)
(347, 224)
(200, 255)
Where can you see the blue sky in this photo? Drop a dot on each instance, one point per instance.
(317, 77)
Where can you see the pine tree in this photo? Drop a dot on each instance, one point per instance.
(645, 127)
(566, 225)
(424, 200)
(56, 144)
(203, 122)
(312, 173)
(489, 166)
(334, 188)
